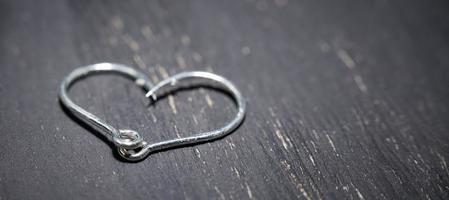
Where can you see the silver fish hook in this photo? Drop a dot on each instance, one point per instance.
(130, 144)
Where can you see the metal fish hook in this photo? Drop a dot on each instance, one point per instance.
(130, 144)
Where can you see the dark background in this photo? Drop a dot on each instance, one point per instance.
(347, 99)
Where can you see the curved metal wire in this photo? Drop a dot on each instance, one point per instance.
(131, 145)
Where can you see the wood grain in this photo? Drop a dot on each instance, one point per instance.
(346, 99)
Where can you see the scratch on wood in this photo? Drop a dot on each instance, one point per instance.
(286, 143)
(443, 163)
(231, 144)
(117, 23)
(176, 131)
(153, 75)
(300, 186)
(181, 61)
(347, 60)
(359, 194)
(393, 140)
(132, 44)
(278, 123)
(154, 118)
(314, 146)
(138, 60)
(359, 82)
(331, 143)
(147, 33)
(248, 191)
(197, 57)
(317, 192)
(236, 171)
(281, 137)
(171, 102)
(195, 120)
(162, 71)
(219, 193)
(198, 154)
(324, 47)
(286, 165)
(185, 40)
(209, 100)
(272, 113)
(209, 69)
(315, 134)
(311, 159)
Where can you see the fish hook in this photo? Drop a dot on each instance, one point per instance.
(130, 144)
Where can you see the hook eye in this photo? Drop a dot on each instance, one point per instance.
(128, 139)
(135, 154)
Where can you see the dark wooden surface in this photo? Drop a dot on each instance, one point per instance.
(346, 99)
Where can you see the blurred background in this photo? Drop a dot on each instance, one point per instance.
(346, 99)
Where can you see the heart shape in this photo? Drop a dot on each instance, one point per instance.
(131, 145)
